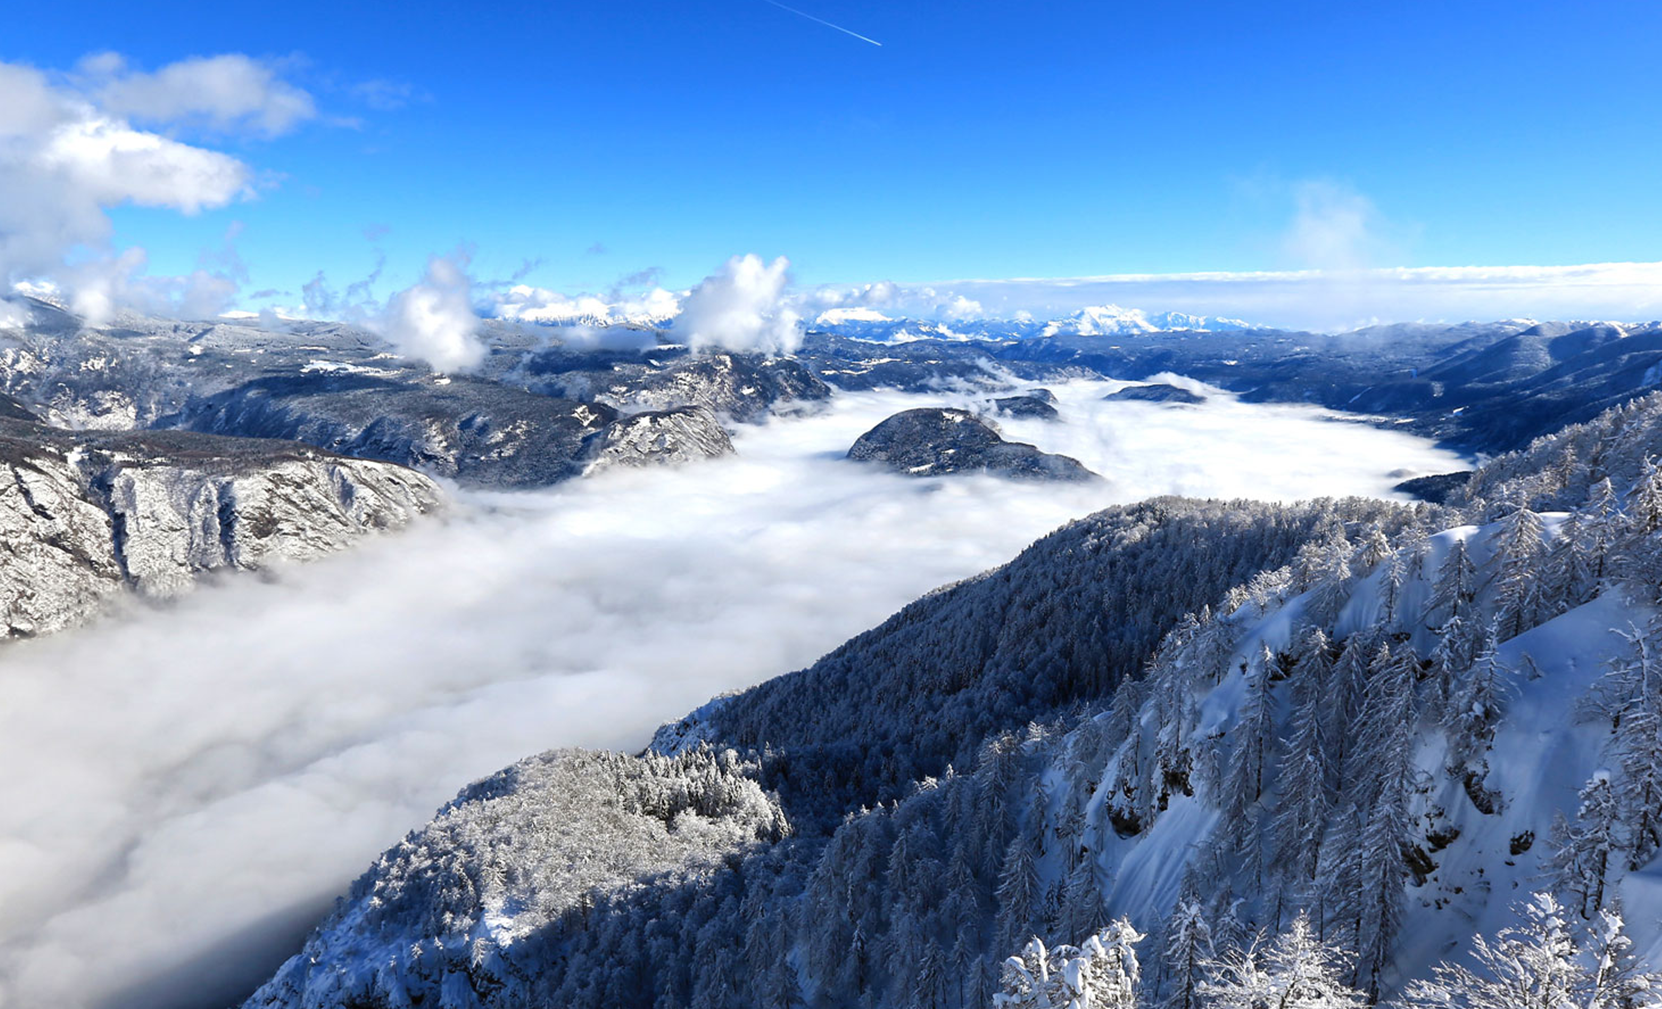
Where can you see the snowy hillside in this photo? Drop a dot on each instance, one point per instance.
(1396, 727)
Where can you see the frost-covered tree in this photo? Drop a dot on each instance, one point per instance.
(1254, 746)
(1295, 972)
(1542, 962)
(1019, 892)
(1188, 947)
(1305, 800)
(1456, 649)
(1588, 853)
(1100, 973)
(1083, 908)
(1375, 547)
(1455, 587)
(1333, 586)
(1476, 707)
(1518, 549)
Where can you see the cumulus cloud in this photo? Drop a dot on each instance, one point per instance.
(433, 320)
(742, 307)
(258, 742)
(69, 151)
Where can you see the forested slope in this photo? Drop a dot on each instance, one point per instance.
(1381, 739)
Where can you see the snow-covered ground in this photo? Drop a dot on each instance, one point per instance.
(187, 787)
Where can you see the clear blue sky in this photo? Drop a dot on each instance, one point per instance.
(981, 139)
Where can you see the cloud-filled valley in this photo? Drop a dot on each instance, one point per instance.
(222, 766)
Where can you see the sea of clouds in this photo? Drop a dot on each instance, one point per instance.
(188, 787)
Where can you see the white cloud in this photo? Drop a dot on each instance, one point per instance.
(1334, 228)
(258, 743)
(433, 320)
(110, 163)
(742, 307)
(539, 304)
(69, 152)
(226, 92)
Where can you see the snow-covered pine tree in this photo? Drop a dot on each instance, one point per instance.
(1188, 947)
(1375, 547)
(1083, 908)
(1301, 813)
(1542, 962)
(1520, 545)
(1588, 852)
(1295, 970)
(1455, 588)
(1476, 707)
(1453, 655)
(1348, 686)
(1333, 587)
(1019, 892)
(930, 982)
(1254, 747)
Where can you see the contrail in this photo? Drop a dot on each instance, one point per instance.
(824, 22)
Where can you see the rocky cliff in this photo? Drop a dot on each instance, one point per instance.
(85, 515)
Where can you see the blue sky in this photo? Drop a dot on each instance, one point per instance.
(980, 140)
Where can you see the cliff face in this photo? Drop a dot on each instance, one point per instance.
(85, 515)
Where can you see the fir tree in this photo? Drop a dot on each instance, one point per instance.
(1589, 851)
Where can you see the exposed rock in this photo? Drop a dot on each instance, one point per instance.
(471, 430)
(658, 436)
(1435, 488)
(933, 441)
(84, 515)
(1158, 392)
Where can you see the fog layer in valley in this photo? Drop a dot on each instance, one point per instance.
(187, 788)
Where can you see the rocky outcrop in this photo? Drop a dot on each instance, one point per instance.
(656, 437)
(1037, 404)
(1158, 392)
(86, 515)
(1436, 488)
(934, 441)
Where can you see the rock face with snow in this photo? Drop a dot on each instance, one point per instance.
(741, 387)
(658, 436)
(85, 515)
(1156, 392)
(1039, 403)
(934, 441)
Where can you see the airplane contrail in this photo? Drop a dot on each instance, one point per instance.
(824, 22)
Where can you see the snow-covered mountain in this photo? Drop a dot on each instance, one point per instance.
(1112, 320)
(1099, 320)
